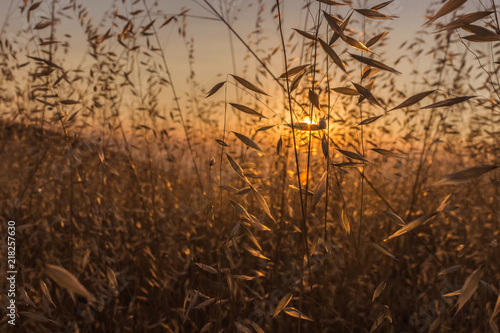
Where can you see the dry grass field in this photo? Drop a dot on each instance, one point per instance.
(322, 188)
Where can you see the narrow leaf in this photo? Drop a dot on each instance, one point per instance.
(293, 312)
(447, 8)
(249, 85)
(374, 63)
(469, 287)
(386, 152)
(282, 303)
(448, 102)
(293, 71)
(465, 175)
(246, 109)
(319, 190)
(215, 89)
(412, 225)
(331, 53)
(262, 202)
(375, 39)
(370, 120)
(247, 141)
(353, 155)
(67, 280)
(207, 268)
(375, 14)
(346, 91)
(366, 94)
(383, 250)
(378, 291)
(413, 100)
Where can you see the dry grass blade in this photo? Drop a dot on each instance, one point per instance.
(469, 288)
(252, 238)
(331, 3)
(374, 14)
(496, 310)
(296, 81)
(466, 19)
(222, 143)
(204, 304)
(483, 38)
(411, 225)
(357, 44)
(377, 323)
(375, 39)
(370, 120)
(382, 5)
(494, 327)
(449, 270)
(395, 218)
(256, 327)
(314, 99)
(192, 303)
(448, 102)
(383, 250)
(334, 25)
(236, 167)
(319, 190)
(36, 317)
(378, 291)
(67, 280)
(447, 8)
(282, 304)
(343, 26)
(353, 155)
(293, 71)
(35, 6)
(367, 94)
(69, 102)
(247, 141)
(386, 152)
(345, 221)
(332, 55)
(42, 25)
(46, 292)
(306, 34)
(374, 63)
(207, 268)
(242, 212)
(465, 175)
(348, 164)
(246, 109)
(262, 202)
(295, 188)
(242, 328)
(249, 85)
(215, 89)
(325, 146)
(413, 100)
(265, 128)
(346, 91)
(293, 312)
(255, 253)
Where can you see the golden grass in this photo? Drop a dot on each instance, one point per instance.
(347, 205)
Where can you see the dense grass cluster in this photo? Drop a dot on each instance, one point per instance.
(336, 195)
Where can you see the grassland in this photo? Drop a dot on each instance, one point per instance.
(323, 198)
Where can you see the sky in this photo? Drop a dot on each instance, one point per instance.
(212, 41)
